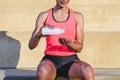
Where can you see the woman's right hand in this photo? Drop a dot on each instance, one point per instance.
(49, 26)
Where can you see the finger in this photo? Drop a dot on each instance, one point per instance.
(62, 41)
(68, 40)
(50, 26)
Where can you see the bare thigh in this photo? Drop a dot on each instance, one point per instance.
(81, 70)
(46, 70)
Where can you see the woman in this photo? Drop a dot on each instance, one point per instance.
(61, 50)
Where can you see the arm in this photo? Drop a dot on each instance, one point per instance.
(78, 44)
(36, 35)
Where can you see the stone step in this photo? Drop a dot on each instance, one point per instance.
(30, 74)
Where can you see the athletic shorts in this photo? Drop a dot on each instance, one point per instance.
(62, 63)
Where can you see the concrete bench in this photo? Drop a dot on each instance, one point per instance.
(30, 74)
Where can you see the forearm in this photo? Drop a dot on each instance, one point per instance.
(33, 42)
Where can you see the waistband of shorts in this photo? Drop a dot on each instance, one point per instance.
(74, 55)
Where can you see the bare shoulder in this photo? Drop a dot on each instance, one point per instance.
(42, 16)
(40, 21)
(78, 16)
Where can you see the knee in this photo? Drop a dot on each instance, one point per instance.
(87, 69)
(43, 72)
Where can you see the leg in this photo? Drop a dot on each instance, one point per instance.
(80, 69)
(46, 70)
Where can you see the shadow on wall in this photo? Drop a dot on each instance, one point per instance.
(9, 51)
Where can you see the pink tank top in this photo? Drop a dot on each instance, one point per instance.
(53, 47)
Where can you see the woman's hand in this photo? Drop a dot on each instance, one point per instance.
(49, 26)
(76, 46)
(65, 41)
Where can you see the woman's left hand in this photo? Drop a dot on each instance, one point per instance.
(65, 41)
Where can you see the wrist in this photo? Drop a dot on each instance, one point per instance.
(75, 46)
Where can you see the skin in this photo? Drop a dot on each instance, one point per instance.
(46, 69)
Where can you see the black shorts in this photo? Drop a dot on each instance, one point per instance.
(61, 63)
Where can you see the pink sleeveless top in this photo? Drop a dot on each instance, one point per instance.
(53, 47)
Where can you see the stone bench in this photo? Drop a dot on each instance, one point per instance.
(30, 74)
